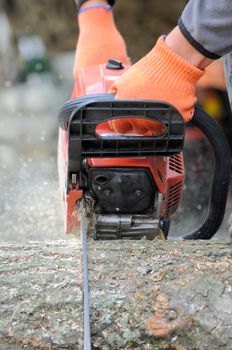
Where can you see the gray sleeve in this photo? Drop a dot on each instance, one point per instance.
(207, 25)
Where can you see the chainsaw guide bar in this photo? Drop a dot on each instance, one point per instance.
(85, 282)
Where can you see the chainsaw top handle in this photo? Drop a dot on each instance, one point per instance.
(82, 116)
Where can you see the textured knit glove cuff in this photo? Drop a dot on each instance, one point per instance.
(79, 3)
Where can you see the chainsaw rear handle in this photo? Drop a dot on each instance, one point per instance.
(221, 177)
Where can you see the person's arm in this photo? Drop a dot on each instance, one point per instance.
(207, 25)
(171, 70)
(179, 44)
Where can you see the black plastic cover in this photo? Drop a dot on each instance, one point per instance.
(122, 190)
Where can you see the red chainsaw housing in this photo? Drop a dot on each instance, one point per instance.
(167, 172)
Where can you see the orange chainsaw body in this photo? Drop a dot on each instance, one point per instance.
(167, 172)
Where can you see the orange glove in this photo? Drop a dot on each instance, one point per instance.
(161, 75)
(99, 39)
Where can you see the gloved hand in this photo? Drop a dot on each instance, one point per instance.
(99, 38)
(161, 75)
(136, 126)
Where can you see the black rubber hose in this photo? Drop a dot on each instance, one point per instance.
(221, 177)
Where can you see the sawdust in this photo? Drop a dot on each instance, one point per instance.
(162, 328)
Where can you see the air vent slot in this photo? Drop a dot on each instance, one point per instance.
(174, 198)
(176, 163)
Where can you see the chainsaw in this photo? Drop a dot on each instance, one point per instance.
(127, 186)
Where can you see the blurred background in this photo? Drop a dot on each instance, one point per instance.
(140, 22)
(37, 43)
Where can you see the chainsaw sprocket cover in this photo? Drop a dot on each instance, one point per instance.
(122, 190)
